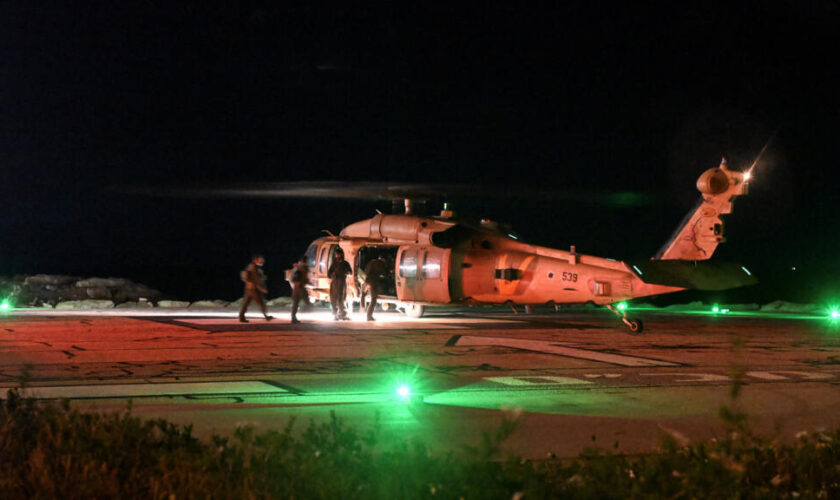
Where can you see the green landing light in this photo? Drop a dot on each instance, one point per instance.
(5, 305)
(404, 392)
(715, 309)
(835, 314)
(621, 306)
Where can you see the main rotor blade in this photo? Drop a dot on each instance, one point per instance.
(381, 191)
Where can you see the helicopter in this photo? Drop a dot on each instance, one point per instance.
(443, 260)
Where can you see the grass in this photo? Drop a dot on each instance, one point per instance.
(50, 450)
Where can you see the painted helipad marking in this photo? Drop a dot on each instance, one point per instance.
(554, 348)
(774, 375)
(537, 381)
(148, 390)
(693, 377)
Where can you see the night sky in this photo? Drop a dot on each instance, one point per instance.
(580, 98)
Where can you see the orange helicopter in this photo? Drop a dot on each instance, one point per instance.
(441, 260)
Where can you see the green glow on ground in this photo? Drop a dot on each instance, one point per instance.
(552, 400)
(709, 311)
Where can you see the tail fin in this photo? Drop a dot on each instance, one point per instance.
(701, 231)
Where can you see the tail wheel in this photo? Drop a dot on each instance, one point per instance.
(385, 306)
(634, 326)
(413, 310)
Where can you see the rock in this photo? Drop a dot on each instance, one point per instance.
(135, 305)
(102, 283)
(236, 303)
(173, 304)
(135, 292)
(788, 307)
(98, 292)
(204, 304)
(48, 279)
(45, 288)
(743, 307)
(85, 304)
(280, 301)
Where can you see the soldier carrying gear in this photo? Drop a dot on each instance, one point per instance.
(299, 278)
(337, 273)
(376, 273)
(254, 287)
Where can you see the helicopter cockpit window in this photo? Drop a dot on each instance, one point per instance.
(431, 266)
(408, 264)
(322, 261)
(310, 255)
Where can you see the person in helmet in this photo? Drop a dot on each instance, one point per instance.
(337, 273)
(299, 279)
(254, 279)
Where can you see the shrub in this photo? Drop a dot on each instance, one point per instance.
(49, 450)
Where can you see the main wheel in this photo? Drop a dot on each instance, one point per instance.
(635, 326)
(385, 306)
(413, 310)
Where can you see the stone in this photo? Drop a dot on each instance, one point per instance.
(205, 304)
(48, 279)
(788, 307)
(280, 301)
(135, 305)
(85, 304)
(173, 304)
(102, 282)
(98, 292)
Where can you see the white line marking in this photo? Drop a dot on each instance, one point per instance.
(697, 377)
(553, 348)
(549, 380)
(766, 376)
(147, 390)
(806, 375)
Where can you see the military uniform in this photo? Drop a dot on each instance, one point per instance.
(375, 275)
(337, 273)
(254, 288)
(300, 276)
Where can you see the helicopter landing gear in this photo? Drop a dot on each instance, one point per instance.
(413, 310)
(633, 325)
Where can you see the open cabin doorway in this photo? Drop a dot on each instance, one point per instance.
(370, 252)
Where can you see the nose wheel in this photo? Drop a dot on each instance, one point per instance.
(634, 326)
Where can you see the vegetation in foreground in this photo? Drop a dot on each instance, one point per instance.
(49, 450)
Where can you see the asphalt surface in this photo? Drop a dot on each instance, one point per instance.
(570, 379)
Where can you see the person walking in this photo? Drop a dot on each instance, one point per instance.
(375, 276)
(337, 273)
(254, 279)
(299, 278)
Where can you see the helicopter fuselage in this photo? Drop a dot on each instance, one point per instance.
(438, 261)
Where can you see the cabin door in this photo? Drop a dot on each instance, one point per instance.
(422, 274)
